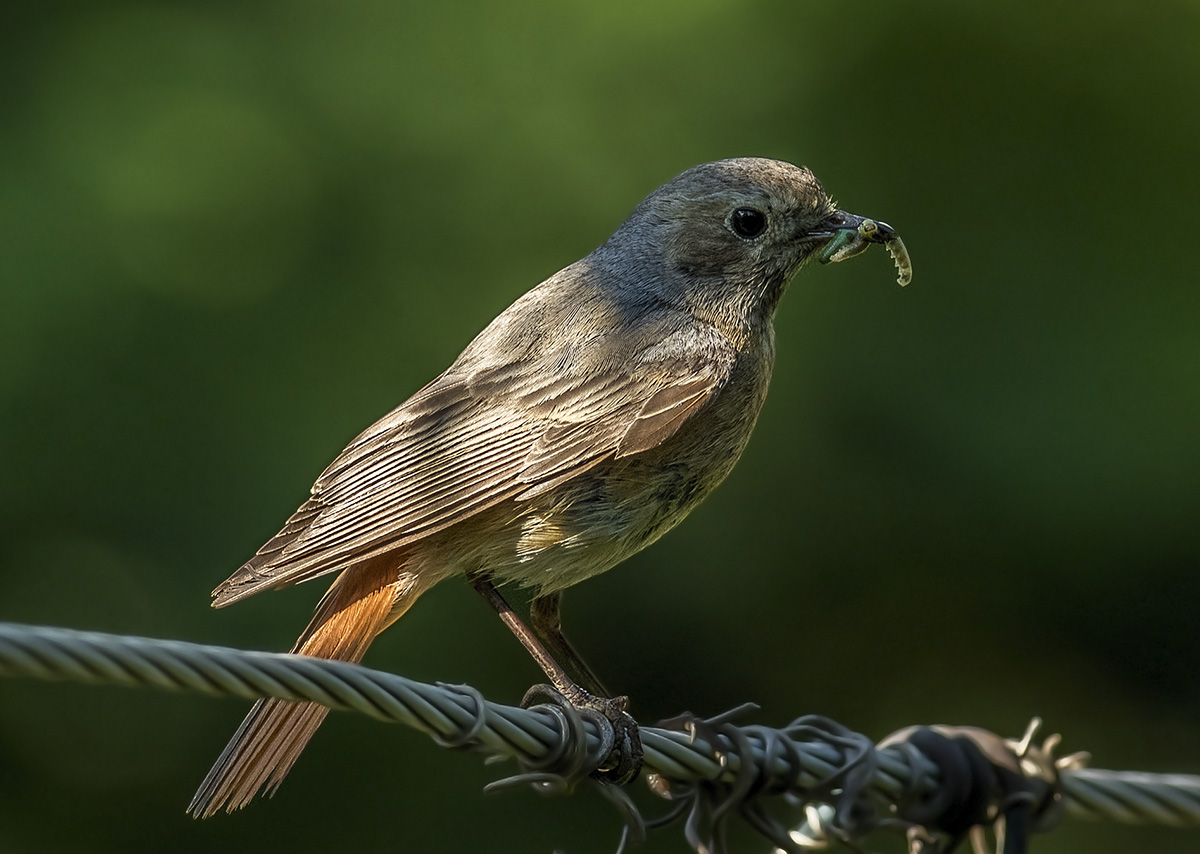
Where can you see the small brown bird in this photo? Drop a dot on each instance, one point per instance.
(580, 426)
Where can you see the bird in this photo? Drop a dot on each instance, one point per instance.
(583, 423)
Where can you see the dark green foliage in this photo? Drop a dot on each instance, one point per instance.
(233, 235)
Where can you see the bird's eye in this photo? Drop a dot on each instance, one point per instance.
(748, 222)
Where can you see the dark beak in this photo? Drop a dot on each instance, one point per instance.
(844, 235)
(845, 221)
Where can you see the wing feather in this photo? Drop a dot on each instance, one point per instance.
(664, 413)
(464, 443)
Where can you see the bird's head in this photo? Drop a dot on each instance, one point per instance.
(727, 236)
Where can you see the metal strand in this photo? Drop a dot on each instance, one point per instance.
(457, 716)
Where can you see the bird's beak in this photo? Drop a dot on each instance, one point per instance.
(846, 235)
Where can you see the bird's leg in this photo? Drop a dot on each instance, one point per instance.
(544, 659)
(625, 761)
(545, 618)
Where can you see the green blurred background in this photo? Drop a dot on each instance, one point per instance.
(235, 234)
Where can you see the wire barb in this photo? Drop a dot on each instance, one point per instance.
(710, 769)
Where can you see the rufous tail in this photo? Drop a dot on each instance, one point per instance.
(365, 599)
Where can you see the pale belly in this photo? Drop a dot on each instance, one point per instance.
(589, 524)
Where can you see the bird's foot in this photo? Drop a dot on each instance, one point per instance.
(622, 760)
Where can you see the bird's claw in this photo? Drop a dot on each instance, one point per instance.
(622, 757)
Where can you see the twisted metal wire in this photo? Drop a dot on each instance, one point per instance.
(802, 759)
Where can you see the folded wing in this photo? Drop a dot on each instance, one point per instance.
(466, 442)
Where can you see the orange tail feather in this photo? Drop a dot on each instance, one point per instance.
(364, 600)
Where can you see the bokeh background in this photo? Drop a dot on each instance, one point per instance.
(235, 234)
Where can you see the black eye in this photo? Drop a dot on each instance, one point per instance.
(748, 222)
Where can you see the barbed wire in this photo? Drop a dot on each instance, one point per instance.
(707, 767)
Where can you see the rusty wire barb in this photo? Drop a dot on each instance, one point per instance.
(800, 786)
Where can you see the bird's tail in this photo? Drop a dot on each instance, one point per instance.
(365, 599)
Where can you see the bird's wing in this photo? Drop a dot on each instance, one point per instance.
(463, 444)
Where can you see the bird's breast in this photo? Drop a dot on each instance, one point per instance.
(590, 523)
